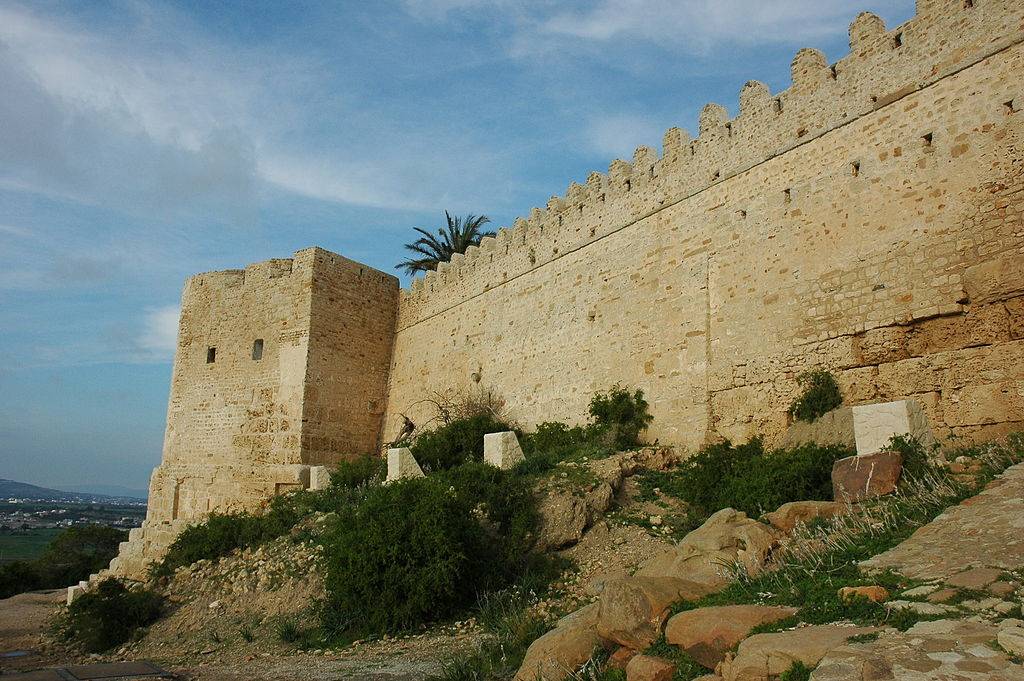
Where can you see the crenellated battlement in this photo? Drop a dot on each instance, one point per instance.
(882, 66)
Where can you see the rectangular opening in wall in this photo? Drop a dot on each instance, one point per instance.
(628, 185)
(855, 168)
(211, 355)
(897, 40)
(728, 128)
(787, 195)
(257, 349)
(833, 72)
(968, 4)
(777, 105)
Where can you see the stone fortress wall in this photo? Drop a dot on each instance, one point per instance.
(869, 219)
(279, 367)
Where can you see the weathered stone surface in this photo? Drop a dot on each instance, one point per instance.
(648, 668)
(993, 521)
(788, 516)
(996, 279)
(832, 428)
(402, 464)
(876, 424)
(877, 594)
(319, 477)
(710, 553)
(621, 657)
(502, 450)
(1012, 640)
(764, 656)
(706, 634)
(857, 478)
(561, 651)
(929, 651)
(975, 578)
(633, 609)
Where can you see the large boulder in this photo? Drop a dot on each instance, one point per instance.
(564, 649)
(710, 553)
(862, 477)
(648, 668)
(788, 516)
(1012, 640)
(765, 656)
(706, 634)
(633, 609)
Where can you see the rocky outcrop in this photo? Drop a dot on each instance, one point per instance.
(711, 553)
(565, 514)
(564, 649)
(862, 477)
(765, 656)
(706, 634)
(648, 668)
(633, 609)
(788, 516)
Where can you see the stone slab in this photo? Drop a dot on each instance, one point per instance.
(502, 450)
(874, 425)
(402, 465)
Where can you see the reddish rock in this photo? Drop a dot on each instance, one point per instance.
(633, 610)
(976, 578)
(857, 478)
(647, 668)
(706, 634)
(1002, 588)
(621, 657)
(877, 594)
(788, 516)
(566, 647)
(941, 596)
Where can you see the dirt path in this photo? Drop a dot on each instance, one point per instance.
(23, 618)
(986, 530)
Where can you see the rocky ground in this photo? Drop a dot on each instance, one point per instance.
(967, 568)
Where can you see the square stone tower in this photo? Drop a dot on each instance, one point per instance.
(279, 367)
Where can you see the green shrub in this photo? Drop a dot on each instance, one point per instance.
(71, 556)
(78, 552)
(552, 436)
(620, 416)
(457, 442)
(820, 395)
(748, 478)
(19, 576)
(358, 471)
(916, 462)
(411, 553)
(110, 614)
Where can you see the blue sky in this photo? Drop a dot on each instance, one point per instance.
(141, 142)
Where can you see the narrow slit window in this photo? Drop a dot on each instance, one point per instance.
(787, 196)
(897, 40)
(629, 185)
(211, 355)
(855, 168)
(833, 72)
(257, 349)
(777, 105)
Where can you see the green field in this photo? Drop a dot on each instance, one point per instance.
(25, 546)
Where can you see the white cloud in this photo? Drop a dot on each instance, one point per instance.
(159, 336)
(618, 135)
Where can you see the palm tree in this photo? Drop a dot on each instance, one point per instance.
(460, 234)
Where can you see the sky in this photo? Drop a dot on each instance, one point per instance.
(142, 142)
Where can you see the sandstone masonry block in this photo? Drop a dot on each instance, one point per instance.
(402, 464)
(874, 425)
(857, 478)
(503, 450)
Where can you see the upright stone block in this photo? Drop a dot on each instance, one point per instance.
(874, 425)
(503, 450)
(401, 465)
(319, 477)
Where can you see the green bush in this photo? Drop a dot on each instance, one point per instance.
(620, 416)
(71, 556)
(411, 553)
(797, 671)
(820, 395)
(455, 443)
(358, 471)
(110, 614)
(19, 576)
(748, 478)
(552, 436)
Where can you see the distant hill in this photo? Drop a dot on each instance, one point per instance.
(23, 490)
(111, 491)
